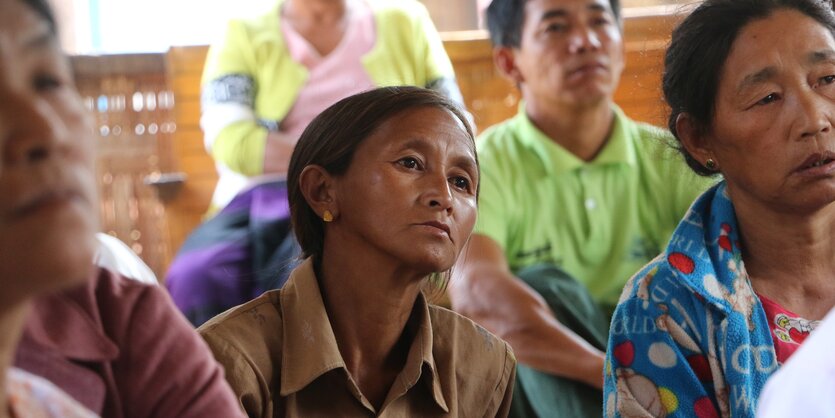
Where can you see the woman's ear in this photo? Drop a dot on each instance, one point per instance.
(505, 61)
(317, 187)
(693, 139)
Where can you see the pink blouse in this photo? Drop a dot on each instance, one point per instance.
(334, 76)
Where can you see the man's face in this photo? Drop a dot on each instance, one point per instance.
(570, 54)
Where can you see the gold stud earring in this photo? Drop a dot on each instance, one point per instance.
(710, 164)
(327, 216)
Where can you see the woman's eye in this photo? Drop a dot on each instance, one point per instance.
(461, 182)
(768, 99)
(555, 27)
(409, 162)
(827, 79)
(46, 82)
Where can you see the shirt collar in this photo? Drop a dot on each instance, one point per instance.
(556, 160)
(60, 323)
(310, 349)
(705, 253)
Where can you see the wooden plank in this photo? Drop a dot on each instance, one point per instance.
(186, 85)
(189, 141)
(187, 113)
(198, 165)
(187, 59)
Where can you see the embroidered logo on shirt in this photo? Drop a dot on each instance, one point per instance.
(542, 253)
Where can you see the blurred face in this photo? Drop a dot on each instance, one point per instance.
(47, 207)
(410, 192)
(571, 52)
(772, 135)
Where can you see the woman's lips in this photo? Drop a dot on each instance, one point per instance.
(46, 201)
(817, 164)
(439, 227)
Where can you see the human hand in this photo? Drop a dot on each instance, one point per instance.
(279, 149)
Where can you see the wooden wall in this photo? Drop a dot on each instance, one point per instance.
(489, 97)
(131, 105)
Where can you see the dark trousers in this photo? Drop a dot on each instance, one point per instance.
(539, 394)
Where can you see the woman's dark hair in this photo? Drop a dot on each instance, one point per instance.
(505, 19)
(45, 11)
(699, 48)
(332, 138)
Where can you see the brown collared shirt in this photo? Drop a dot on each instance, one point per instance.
(282, 360)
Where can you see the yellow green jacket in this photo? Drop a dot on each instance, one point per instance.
(250, 82)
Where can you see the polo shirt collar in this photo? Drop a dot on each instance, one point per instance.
(59, 323)
(310, 349)
(556, 160)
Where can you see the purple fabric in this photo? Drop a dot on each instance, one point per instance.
(224, 282)
(246, 249)
(268, 205)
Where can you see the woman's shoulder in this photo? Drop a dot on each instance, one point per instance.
(258, 319)
(476, 365)
(247, 340)
(657, 281)
(469, 344)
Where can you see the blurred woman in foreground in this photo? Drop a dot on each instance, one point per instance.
(47, 207)
(118, 347)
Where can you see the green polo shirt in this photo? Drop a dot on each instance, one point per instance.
(601, 220)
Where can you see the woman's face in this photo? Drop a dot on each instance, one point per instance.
(772, 134)
(47, 210)
(410, 192)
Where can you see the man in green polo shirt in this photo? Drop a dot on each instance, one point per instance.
(570, 181)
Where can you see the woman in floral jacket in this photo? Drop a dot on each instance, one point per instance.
(749, 271)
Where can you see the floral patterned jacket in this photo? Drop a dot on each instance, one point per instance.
(689, 337)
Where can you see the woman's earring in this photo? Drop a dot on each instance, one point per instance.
(327, 216)
(710, 164)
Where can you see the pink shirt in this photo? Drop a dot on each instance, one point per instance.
(788, 330)
(803, 387)
(333, 77)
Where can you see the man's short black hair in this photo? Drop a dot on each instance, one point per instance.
(506, 17)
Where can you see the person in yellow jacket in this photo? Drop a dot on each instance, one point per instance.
(262, 85)
(269, 76)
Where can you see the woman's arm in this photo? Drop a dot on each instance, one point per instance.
(233, 135)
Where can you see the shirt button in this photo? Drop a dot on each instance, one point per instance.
(590, 204)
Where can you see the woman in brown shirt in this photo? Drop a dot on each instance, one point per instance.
(383, 193)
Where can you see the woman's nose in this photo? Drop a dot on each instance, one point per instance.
(816, 114)
(33, 129)
(437, 193)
